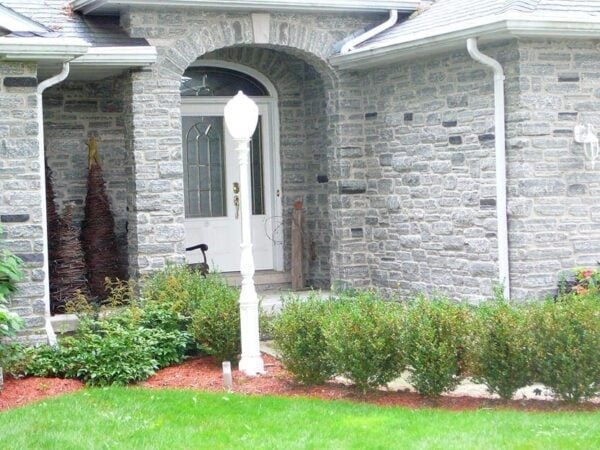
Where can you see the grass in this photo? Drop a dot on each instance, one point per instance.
(136, 418)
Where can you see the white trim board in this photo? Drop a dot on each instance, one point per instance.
(114, 6)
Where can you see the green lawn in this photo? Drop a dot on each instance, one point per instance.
(135, 418)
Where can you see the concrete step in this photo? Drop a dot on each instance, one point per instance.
(264, 280)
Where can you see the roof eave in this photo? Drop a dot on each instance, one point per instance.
(126, 57)
(503, 28)
(112, 6)
(41, 49)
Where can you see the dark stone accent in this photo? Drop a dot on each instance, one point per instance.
(449, 123)
(352, 187)
(20, 82)
(12, 218)
(568, 78)
(562, 132)
(371, 116)
(31, 257)
(371, 220)
(577, 189)
(486, 137)
(487, 203)
(568, 115)
(357, 232)
(322, 178)
(110, 106)
(455, 140)
(408, 117)
(81, 106)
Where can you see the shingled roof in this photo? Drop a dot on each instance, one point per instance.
(57, 16)
(452, 13)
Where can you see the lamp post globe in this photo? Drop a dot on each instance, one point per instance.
(241, 118)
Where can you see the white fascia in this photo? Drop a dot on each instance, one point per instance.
(137, 56)
(453, 37)
(41, 49)
(113, 6)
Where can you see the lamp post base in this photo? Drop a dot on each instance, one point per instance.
(252, 365)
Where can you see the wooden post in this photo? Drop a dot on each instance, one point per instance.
(297, 251)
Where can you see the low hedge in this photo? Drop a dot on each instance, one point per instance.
(503, 345)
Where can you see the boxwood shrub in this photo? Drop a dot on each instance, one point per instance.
(436, 336)
(566, 346)
(501, 350)
(363, 340)
(299, 340)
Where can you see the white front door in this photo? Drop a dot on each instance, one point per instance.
(211, 182)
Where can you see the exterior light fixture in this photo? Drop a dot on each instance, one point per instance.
(241, 118)
(584, 134)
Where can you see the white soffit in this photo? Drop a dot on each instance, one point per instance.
(114, 6)
(454, 37)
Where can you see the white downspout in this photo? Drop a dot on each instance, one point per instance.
(500, 140)
(352, 43)
(42, 167)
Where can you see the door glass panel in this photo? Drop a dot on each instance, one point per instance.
(256, 171)
(204, 171)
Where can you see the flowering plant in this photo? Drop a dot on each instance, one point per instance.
(586, 280)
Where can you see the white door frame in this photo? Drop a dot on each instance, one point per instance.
(273, 188)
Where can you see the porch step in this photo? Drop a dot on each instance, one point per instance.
(264, 280)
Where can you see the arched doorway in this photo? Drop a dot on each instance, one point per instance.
(211, 171)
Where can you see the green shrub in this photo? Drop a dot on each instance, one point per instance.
(566, 348)
(215, 324)
(362, 336)
(298, 336)
(179, 289)
(10, 275)
(501, 350)
(436, 337)
(107, 352)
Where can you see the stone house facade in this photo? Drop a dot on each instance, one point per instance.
(389, 140)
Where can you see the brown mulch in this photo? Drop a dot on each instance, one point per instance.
(205, 374)
(18, 392)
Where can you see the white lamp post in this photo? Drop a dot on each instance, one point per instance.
(241, 118)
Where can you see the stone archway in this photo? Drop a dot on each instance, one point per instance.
(155, 196)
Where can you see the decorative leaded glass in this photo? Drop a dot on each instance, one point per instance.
(219, 82)
(204, 167)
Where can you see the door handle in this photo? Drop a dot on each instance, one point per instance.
(236, 187)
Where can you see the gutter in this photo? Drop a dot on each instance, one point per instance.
(41, 48)
(135, 56)
(452, 37)
(350, 46)
(42, 167)
(500, 143)
(115, 6)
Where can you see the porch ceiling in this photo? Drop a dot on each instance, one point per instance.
(110, 7)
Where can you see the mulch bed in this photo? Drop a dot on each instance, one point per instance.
(18, 392)
(205, 374)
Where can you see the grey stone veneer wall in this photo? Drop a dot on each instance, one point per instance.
(554, 192)
(154, 124)
(303, 148)
(426, 220)
(20, 196)
(73, 112)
